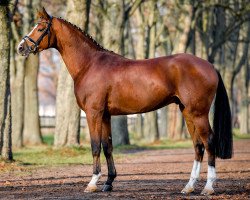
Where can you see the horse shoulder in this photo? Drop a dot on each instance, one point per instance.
(91, 89)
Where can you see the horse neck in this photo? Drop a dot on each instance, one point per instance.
(75, 48)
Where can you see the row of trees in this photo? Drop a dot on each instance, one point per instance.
(218, 31)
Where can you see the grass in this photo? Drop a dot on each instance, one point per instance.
(48, 139)
(46, 155)
(171, 144)
(164, 144)
(238, 136)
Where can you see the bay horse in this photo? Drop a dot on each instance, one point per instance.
(108, 84)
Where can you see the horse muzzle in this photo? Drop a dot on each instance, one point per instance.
(23, 49)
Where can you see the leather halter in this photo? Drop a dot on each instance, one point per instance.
(34, 48)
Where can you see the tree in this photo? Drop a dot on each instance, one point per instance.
(140, 54)
(67, 131)
(112, 39)
(5, 97)
(31, 129)
(151, 132)
(173, 39)
(24, 72)
(116, 16)
(220, 31)
(17, 80)
(244, 104)
(237, 69)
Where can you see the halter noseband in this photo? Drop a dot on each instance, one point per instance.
(34, 49)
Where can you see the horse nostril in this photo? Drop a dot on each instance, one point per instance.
(20, 48)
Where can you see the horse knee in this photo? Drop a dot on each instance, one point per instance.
(96, 151)
(96, 148)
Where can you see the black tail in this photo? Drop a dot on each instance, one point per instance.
(222, 123)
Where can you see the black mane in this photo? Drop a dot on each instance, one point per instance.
(85, 34)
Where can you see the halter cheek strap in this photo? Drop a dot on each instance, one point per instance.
(34, 48)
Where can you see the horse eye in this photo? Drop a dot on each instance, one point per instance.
(41, 30)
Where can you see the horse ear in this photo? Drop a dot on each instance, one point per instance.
(43, 14)
(38, 14)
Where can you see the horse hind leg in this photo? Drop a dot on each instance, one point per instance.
(209, 143)
(199, 152)
(204, 131)
(203, 138)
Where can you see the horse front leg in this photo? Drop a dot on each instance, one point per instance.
(94, 119)
(108, 148)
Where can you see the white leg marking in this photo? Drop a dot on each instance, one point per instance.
(95, 179)
(92, 184)
(195, 174)
(211, 177)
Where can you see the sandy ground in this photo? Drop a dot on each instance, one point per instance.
(149, 174)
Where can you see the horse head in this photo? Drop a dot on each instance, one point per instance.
(41, 37)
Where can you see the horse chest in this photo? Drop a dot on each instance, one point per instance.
(89, 94)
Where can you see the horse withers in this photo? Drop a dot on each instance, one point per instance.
(108, 84)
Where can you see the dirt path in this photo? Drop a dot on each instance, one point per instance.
(151, 174)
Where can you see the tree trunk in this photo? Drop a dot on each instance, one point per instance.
(244, 114)
(31, 130)
(5, 98)
(67, 131)
(244, 104)
(67, 112)
(242, 62)
(175, 119)
(113, 39)
(17, 100)
(151, 132)
(119, 126)
(17, 79)
(139, 126)
(140, 54)
(163, 123)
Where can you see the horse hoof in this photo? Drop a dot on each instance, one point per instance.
(107, 188)
(187, 190)
(207, 192)
(91, 188)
